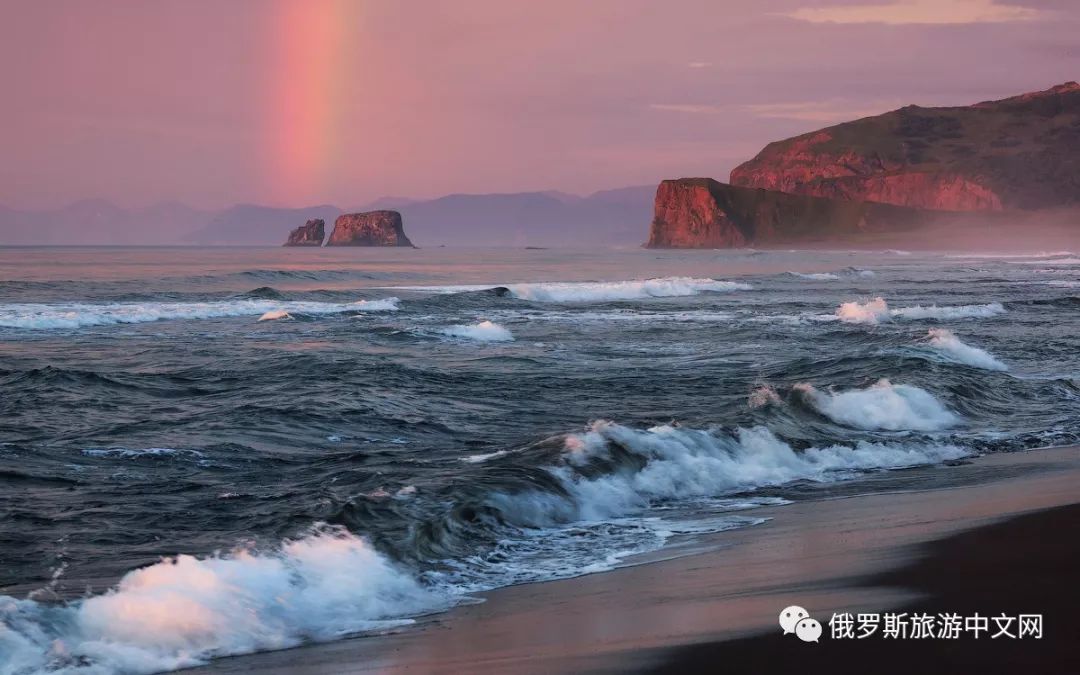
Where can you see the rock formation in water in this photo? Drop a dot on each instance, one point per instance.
(704, 213)
(310, 233)
(373, 228)
(1017, 153)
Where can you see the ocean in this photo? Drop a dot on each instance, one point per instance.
(217, 451)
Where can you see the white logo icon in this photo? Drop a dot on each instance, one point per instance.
(808, 630)
(790, 616)
(795, 619)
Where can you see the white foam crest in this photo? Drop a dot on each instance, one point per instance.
(877, 310)
(954, 312)
(881, 406)
(139, 452)
(1043, 254)
(681, 462)
(183, 611)
(946, 343)
(274, 315)
(485, 331)
(1054, 261)
(42, 316)
(608, 291)
(872, 312)
(816, 276)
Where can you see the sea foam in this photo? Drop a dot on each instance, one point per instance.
(882, 406)
(485, 331)
(947, 344)
(877, 310)
(679, 462)
(608, 291)
(43, 316)
(185, 610)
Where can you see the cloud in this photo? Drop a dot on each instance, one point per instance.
(832, 110)
(692, 108)
(698, 64)
(820, 111)
(900, 12)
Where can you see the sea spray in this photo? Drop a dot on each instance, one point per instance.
(484, 331)
(946, 343)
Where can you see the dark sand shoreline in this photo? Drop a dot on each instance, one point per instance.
(998, 536)
(1026, 564)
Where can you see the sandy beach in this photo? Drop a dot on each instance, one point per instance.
(991, 535)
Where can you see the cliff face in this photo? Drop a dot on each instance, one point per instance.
(373, 228)
(1018, 153)
(310, 233)
(703, 213)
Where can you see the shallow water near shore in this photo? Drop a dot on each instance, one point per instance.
(404, 428)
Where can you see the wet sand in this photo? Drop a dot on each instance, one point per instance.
(998, 536)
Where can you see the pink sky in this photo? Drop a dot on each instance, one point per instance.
(296, 102)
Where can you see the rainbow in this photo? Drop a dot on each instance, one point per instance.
(309, 68)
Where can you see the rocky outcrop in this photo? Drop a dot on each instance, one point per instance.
(373, 228)
(1017, 153)
(310, 233)
(704, 213)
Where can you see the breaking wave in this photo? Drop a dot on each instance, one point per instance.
(882, 406)
(607, 291)
(590, 511)
(594, 291)
(183, 611)
(947, 344)
(83, 315)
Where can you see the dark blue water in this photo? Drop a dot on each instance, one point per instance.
(414, 426)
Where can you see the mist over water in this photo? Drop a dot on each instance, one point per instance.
(325, 442)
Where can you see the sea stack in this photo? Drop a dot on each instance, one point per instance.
(372, 228)
(310, 233)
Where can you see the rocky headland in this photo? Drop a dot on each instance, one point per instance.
(899, 171)
(372, 228)
(310, 233)
(1017, 153)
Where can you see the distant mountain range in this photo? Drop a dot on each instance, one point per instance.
(608, 217)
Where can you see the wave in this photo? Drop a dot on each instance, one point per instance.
(607, 291)
(485, 331)
(816, 276)
(42, 316)
(594, 291)
(882, 406)
(955, 312)
(877, 310)
(183, 611)
(575, 514)
(1048, 261)
(946, 343)
(1043, 254)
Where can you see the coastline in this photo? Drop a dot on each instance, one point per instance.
(716, 600)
